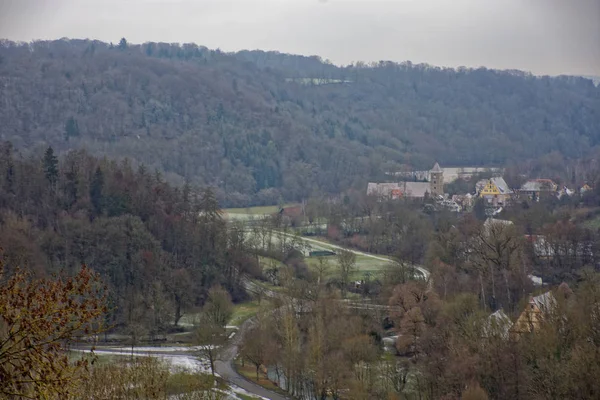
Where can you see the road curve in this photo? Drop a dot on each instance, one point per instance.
(224, 366)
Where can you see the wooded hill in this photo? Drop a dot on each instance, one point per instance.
(158, 248)
(264, 126)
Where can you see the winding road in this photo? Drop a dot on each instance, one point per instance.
(224, 365)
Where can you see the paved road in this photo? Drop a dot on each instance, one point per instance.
(224, 367)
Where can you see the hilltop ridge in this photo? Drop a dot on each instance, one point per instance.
(262, 126)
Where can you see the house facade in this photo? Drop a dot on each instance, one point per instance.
(494, 191)
(535, 187)
(535, 311)
(395, 191)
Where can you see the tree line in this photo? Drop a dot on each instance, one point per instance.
(246, 123)
(159, 248)
(444, 344)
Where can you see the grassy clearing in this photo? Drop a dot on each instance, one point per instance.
(363, 265)
(243, 311)
(268, 286)
(189, 319)
(266, 262)
(100, 359)
(363, 262)
(260, 210)
(184, 382)
(593, 224)
(367, 264)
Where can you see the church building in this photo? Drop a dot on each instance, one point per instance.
(435, 187)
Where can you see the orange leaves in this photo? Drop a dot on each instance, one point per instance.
(37, 319)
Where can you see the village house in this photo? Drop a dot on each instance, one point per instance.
(535, 187)
(494, 191)
(494, 226)
(565, 191)
(394, 191)
(545, 250)
(533, 314)
(497, 324)
(464, 201)
(584, 188)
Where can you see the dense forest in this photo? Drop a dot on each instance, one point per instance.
(158, 248)
(264, 126)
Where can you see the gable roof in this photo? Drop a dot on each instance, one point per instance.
(436, 168)
(532, 316)
(497, 224)
(381, 189)
(408, 189)
(498, 182)
(539, 185)
(544, 302)
(497, 323)
(416, 189)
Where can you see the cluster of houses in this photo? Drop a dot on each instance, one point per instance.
(538, 309)
(494, 191)
(432, 187)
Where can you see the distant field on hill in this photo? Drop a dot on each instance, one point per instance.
(246, 213)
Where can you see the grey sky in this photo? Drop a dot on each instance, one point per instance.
(541, 36)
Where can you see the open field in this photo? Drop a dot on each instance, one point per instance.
(243, 311)
(593, 223)
(363, 265)
(365, 262)
(100, 358)
(244, 214)
(266, 262)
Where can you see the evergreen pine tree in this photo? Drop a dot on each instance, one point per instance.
(72, 184)
(96, 187)
(209, 206)
(71, 128)
(51, 166)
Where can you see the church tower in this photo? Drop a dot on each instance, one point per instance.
(436, 180)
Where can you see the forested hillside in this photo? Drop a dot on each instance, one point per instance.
(266, 126)
(158, 248)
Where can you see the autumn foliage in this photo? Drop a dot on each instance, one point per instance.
(38, 318)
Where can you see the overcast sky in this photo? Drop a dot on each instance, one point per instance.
(541, 36)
